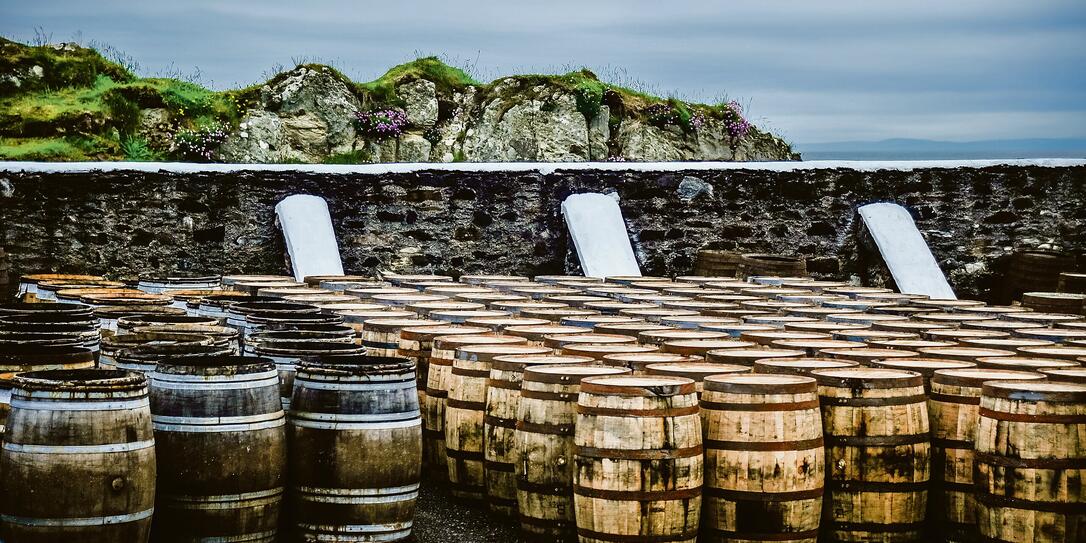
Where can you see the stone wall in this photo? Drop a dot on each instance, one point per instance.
(122, 222)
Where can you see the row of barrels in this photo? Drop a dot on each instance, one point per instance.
(201, 450)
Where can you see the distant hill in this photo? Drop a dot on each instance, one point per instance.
(917, 149)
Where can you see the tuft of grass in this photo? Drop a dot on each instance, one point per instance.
(446, 78)
(137, 150)
(42, 149)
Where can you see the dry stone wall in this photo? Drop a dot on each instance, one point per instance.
(125, 222)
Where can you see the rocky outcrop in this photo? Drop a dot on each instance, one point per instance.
(304, 116)
(538, 124)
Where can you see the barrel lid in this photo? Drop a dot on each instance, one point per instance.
(964, 352)
(139, 338)
(673, 333)
(944, 303)
(804, 363)
(557, 312)
(750, 355)
(272, 307)
(1001, 325)
(487, 352)
(994, 309)
(587, 321)
(569, 373)
(165, 318)
(354, 316)
(1065, 352)
(71, 319)
(324, 298)
(868, 335)
(1005, 342)
(607, 348)
(397, 324)
(81, 380)
(761, 383)
(139, 310)
(121, 298)
(1052, 334)
(963, 333)
(352, 306)
(517, 362)
(867, 378)
(697, 371)
(817, 344)
(924, 366)
(868, 353)
(24, 308)
(197, 329)
(1070, 375)
(630, 329)
(1042, 317)
(700, 346)
(566, 339)
(1024, 362)
(232, 279)
(646, 358)
(767, 336)
(26, 355)
(279, 292)
(297, 335)
(306, 348)
(39, 277)
(908, 343)
(696, 320)
(213, 365)
(287, 318)
(910, 326)
(651, 386)
(479, 278)
(356, 365)
(431, 332)
(536, 333)
(825, 326)
(974, 377)
(496, 322)
(954, 317)
(461, 340)
(1035, 391)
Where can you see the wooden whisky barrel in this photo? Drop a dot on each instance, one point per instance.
(637, 362)
(465, 411)
(638, 456)
(764, 460)
(1030, 459)
(952, 406)
(878, 450)
(287, 355)
(800, 366)
(543, 443)
(220, 435)
(926, 367)
(78, 458)
(442, 355)
(381, 337)
(499, 424)
(344, 405)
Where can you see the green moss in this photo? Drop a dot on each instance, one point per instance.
(137, 150)
(446, 79)
(67, 66)
(49, 149)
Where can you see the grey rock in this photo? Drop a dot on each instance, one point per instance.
(599, 133)
(259, 138)
(644, 142)
(413, 148)
(420, 102)
(449, 134)
(153, 125)
(537, 124)
(692, 187)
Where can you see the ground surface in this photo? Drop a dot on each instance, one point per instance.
(441, 518)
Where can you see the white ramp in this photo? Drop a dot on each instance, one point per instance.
(904, 250)
(599, 235)
(311, 241)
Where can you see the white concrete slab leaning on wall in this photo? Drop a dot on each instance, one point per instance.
(311, 240)
(599, 235)
(904, 250)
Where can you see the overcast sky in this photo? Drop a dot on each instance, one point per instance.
(812, 70)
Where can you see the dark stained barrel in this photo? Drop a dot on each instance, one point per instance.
(145, 358)
(287, 355)
(78, 460)
(221, 438)
(355, 435)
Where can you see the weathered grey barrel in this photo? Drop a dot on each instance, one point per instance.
(108, 316)
(286, 356)
(238, 315)
(216, 305)
(144, 358)
(79, 458)
(112, 345)
(15, 359)
(74, 325)
(126, 324)
(355, 449)
(221, 439)
(155, 285)
(220, 335)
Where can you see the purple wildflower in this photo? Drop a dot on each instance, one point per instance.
(381, 123)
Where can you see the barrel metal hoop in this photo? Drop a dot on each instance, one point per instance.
(197, 421)
(563, 489)
(763, 536)
(507, 502)
(783, 406)
(494, 465)
(544, 428)
(80, 521)
(799, 445)
(761, 496)
(502, 384)
(435, 393)
(358, 495)
(39, 404)
(553, 524)
(160, 426)
(876, 486)
(552, 396)
(356, 417)
(390, 386)
(381, 344)
(1028, 463)
(1064, 508)
(221, 501)
(218, 380)
(637, 495)
(395, 531)
(615, 412)
(637, 454)
(892, 527)
(466, 372)
(951, 486)
(950, 398)
(464, 455)
(957, 444)
(626, 538)
(835, 401)
(214, 385)
(331, 425)
(79, 449)
(877, 441)
(431, 433)
(462, 404)
(500, 422)
(1075, 418)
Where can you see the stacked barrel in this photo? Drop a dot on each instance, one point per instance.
(618, 409)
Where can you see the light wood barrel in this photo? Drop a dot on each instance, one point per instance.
(465, 409)
(442, 355)
(381, 337)
(78, 458)
(561, 341)
(220, 434)
(878, 450)
(924, 366)
(1030, 460)
(536, 334)
(800, 366)
(639, 461)
(747, 357)
(1025, 363)
(968, 354)
(698, 347)
(695, 371)
(952, 405)
(543, 443)
(764, 460)
(867, 355)
(355, 454)
(637, 362)
(1065, 375)
(597, 351)
(499, 424)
